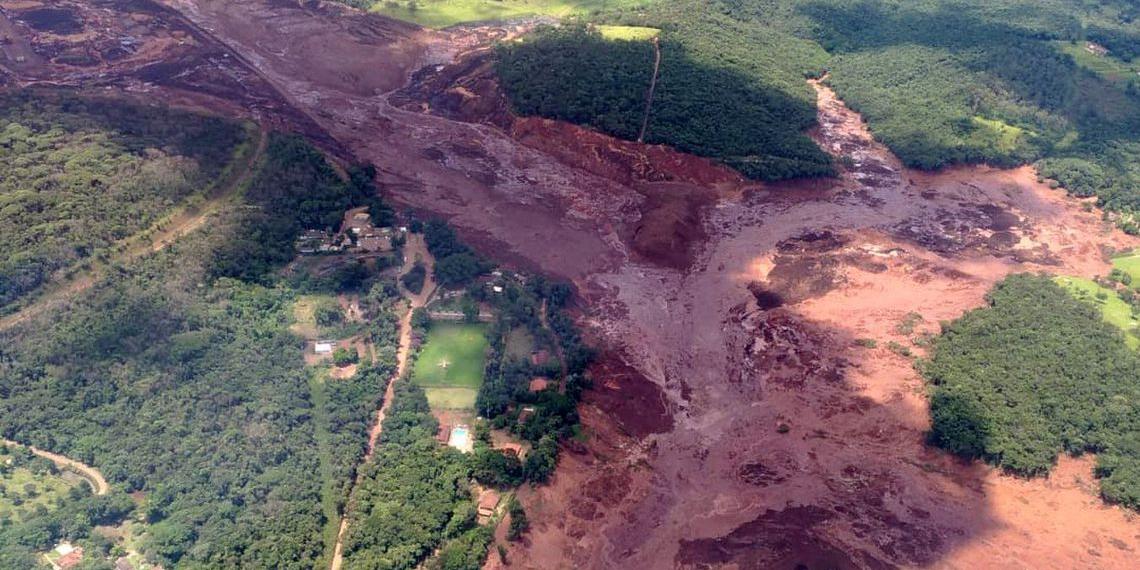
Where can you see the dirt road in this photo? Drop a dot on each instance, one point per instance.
(652, 88)
(93, 477)
(181, 222)
(414, 250)
(747, 428)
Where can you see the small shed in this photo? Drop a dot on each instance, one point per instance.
(539, 383)
(324, 346)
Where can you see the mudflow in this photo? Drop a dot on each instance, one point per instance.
(734, 421)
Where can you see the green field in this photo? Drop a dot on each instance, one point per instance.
(452, 356)
(1105, 66)
(631, 33)
(443, 13)
(451, 398)
(1116, 312)
(1129, 264)
(22, 491)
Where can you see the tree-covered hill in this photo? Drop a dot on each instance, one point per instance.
(939, 81)
(1034, 374)
(78, 174)
(179, 378)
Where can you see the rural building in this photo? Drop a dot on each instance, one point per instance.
(68, 556)
(539, 383)
(526, 414)
(488, 502)
(444, 434)
(373, 242)
(324, 346)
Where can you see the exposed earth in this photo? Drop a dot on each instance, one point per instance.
(735, 420)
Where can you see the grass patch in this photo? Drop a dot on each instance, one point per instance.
(1106, 66)
(1129, 264)
(629, 33)
(443, 13)
(520, 343)
(452, 357)
(451, 398)
(1114, 310)
(1005, 136)
(25, 491)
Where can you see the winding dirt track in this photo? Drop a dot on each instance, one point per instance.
(652, 88)
(736, 423)
(90, 474)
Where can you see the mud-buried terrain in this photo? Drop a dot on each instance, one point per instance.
(735, 421)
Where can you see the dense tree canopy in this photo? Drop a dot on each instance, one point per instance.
(78, 174)
(192, 390)
(1035, 373)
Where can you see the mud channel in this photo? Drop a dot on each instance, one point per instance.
(735, 422)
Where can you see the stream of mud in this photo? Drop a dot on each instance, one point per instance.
(735, 422)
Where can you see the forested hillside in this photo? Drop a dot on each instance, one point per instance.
(940, 82)
(1034, 374)
(179, 378)
(78, 174)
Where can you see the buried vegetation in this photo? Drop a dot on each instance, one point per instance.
(1034, 374)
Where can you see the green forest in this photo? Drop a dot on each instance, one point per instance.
(1034, 374)
(702, 80)
(178, 378)
(939, 82)
(78, 174)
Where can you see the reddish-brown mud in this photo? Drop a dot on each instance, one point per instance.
(735, 422)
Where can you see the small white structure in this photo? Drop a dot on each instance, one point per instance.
(324, 346)
(497, 289)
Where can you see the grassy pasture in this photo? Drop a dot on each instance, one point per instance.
(1115, 311)
(444, 13)
(452, 357)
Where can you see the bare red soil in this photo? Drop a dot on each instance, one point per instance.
(735, 422)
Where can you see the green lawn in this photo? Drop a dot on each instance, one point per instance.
(452, 356)
(451, 398)
(1129, 264)
(443, 13)
(29, 490)
(631, 33)
(1105, 66)
(1116, 312)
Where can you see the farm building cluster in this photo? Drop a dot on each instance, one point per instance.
(356, 235)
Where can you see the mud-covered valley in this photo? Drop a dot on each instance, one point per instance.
(735, 420)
